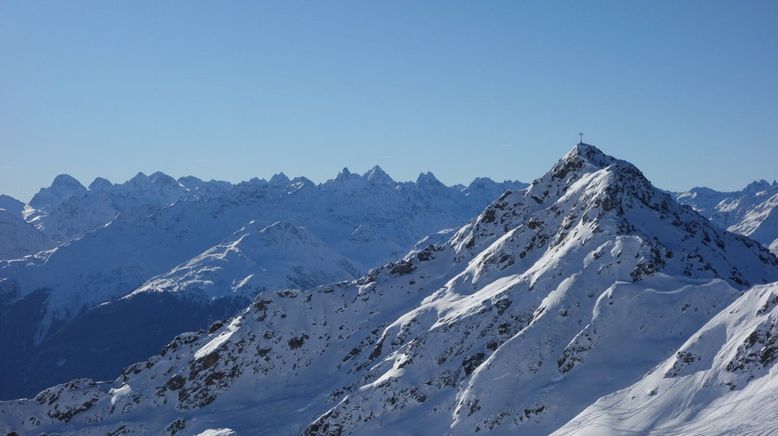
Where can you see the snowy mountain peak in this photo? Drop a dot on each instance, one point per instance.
(506, 327)
(63, 187)
(580, 156)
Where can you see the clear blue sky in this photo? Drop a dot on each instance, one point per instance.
(686, 90)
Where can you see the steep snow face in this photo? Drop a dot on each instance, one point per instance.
(255, 259)
(761, 222)
(752, 211)
(18, 238)
(508, 326)
(722, 380)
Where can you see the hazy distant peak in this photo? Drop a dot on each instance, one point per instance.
(279, 179)
(378, 175)
(100, 184)
(428, 179)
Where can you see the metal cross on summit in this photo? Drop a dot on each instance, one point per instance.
(580, 138)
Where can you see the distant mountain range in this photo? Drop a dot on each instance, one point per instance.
(203, 240)
(588, 302)
(752, 212)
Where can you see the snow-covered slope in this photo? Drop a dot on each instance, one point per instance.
(256, 258)
(723, 380)
(511, 325)
(18, 238)
(211, 286)
(752, 212)
(364, 217)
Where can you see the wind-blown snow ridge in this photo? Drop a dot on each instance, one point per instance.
(502, 328)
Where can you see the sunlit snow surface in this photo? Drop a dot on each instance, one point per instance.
(548, 303)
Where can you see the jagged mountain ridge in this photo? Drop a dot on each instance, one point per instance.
(66, 210)
(136, 247)
(532, 276)
(369, 218)
(752, 211)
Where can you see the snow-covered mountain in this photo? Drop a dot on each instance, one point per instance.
(151, 224)
(66, 210)
(256, 258)
(752, 211)
(358, 218)
(722, 380)
(212, 286)
(18, 238)
(514, 324)
(63, 188)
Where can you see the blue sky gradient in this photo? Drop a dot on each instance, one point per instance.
(686, 90)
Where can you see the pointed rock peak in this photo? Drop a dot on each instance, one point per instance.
(344, 174)
(582, 155)
(428, 179)
(279, 179)
(758, 185)
(377, 175)
(66, 181)
(590, 154)
(100, 184)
